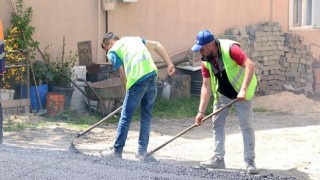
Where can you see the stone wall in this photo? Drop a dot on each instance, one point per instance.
(282, 61)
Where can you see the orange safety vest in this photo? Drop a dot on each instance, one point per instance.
(2, 54)
(1, 31)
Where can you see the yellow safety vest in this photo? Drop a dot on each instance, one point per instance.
(136, 58)
(235, 73)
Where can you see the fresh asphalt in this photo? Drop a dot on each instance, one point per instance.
(20, 163)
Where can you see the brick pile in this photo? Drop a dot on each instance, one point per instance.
(316, 77)
(297, 62)
(282, 60)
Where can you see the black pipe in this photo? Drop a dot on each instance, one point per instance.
(107, 29)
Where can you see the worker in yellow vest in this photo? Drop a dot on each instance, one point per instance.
(2, 69)
(228, 74)
(131, 58)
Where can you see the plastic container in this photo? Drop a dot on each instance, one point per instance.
(43, 90)
(5, 94)
(55, 103)
(79, 72)
(67, 91)
(166, 90)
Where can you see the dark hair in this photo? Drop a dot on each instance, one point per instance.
(109, 36)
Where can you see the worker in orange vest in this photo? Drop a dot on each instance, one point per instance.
(2, 69)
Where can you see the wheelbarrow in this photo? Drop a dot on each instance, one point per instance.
(103, 91)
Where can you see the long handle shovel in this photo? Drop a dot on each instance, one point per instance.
(73, 148)
(191, 127)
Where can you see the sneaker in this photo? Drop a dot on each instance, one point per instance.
(251, 167)
(111, 153)
(147, 159)
(214, 163)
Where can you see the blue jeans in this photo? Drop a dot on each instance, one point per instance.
(143, 94)
(245, 117)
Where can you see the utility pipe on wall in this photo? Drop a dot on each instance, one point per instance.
(271, 11)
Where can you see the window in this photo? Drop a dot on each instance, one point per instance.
(304, 14)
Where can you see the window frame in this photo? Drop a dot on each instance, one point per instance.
(315, 20)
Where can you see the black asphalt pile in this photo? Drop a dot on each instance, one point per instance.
(19, 163)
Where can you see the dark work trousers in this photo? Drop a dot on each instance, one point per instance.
(1, 116)
(1, 123)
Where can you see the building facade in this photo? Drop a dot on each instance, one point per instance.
(173, 23)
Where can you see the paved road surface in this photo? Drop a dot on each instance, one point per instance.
(19, 163)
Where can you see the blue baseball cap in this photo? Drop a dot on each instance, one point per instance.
(203, 38)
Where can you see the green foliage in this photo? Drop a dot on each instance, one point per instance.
(40, 72)
(18, 40)
(59, 67)
(21, 19)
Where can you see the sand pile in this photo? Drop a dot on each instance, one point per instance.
(287, 102)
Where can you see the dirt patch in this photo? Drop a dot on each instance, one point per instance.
(286, 138)
(287, 102)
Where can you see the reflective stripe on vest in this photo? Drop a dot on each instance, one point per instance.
(2, 54)
(136, 58)
(235, 73)
(236, 79)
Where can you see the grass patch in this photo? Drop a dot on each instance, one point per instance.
(18, 126)
(11, 126)
(260, 109)
(74, 120)
(175, 108)
(233, 110)
(69, 119)
(163, 109)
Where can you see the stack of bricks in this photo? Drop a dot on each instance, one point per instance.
(239, 35)
(316, 78)
(297, 62)
(281, 59)
(266, 48)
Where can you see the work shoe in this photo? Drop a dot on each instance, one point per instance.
(111, 153)
(214, 163)
(251, 167)
(147, 159)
